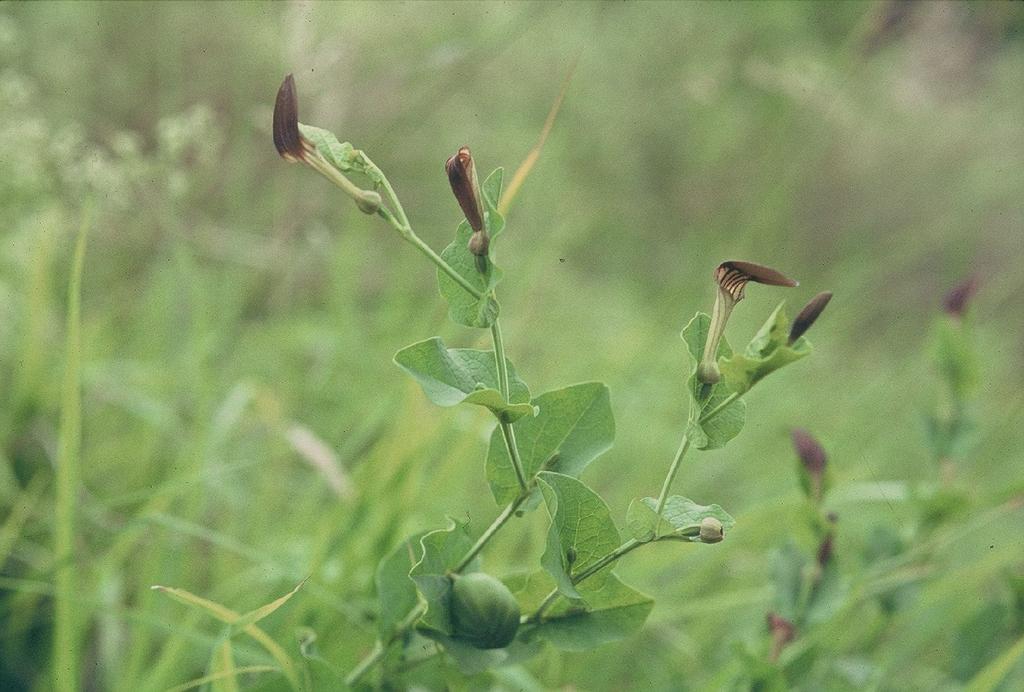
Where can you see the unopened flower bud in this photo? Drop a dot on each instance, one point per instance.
(369, 202)
(732, 278)
(711, 530)
(290, 144)
(462, 177)
(812, 457)
(956, 301)
(479, 243)
(808, 315)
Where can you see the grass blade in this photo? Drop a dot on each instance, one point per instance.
(230, 617)
(65, 637)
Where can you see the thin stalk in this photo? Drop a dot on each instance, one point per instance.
(684, 444)
(499, 356)
(487, 535)
(628, 546)
(418, 243)
(381, 648)
(66, 601)
(507, 433)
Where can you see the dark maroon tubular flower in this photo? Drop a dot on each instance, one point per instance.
(956, 301)
(812, 454)
(462, 177)
(287, 138)
(808, 315)
(733, 276)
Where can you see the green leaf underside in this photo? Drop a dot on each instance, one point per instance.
(442, 550)
(681, 515)
(609, 612)
(728, 422)
(575, 422)
(341, 155)
(463, 308)
(581, 523)
(451, 376)
(395, 590)
(768, 351)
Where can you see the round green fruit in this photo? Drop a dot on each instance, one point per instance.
(485, 614)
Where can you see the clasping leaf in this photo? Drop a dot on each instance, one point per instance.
(451, 376)
(442, 549)
(581, 523)
(729, 420)
(768, 351)
(573, 426)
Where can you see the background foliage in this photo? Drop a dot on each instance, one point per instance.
(239, 316)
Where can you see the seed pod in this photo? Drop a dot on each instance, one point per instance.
(808, 315)
(711, 530)
(485, 614)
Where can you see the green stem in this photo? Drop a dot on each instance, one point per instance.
(418, 243)
(499, 356)
(487, 535)
(381, 648)
(400, 221)
(684, 444)
(507, 433)
(628, 546)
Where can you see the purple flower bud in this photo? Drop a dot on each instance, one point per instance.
(808, 315)
(290, 143)
(462, 177)
(956, 301)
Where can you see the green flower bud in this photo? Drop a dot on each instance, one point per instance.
(711, 530)
(369, 202)
(485, 614)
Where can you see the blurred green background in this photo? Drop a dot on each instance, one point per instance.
(235, 306)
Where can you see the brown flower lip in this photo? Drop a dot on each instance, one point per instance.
(462, 177)
(287, 138)
(808, 315)
(733, 276)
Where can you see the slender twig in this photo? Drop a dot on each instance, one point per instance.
(380, 648)
(628, 546)
(684, 444)
(400, 221)
(507, 433)
(487, 535)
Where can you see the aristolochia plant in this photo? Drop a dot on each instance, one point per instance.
(432, 585)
